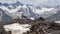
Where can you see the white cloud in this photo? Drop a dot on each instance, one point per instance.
(35, 2)
(8, 1)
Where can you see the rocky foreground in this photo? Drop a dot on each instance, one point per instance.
(39, 26)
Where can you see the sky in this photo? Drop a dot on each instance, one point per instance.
(34, 2)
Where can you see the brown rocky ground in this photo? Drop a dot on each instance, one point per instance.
(39, 26)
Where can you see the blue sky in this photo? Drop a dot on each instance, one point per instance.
(34, 2)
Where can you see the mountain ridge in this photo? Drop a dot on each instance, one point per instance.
(29, 10)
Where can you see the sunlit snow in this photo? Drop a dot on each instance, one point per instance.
(43, 12)
(17, 28)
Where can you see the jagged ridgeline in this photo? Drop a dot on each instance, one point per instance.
(18, 11)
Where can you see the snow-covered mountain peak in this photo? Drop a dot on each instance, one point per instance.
(30, 10)
(15, 10)
(24, 6)
(4, 8)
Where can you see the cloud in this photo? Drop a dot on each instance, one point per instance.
(8, 1)
(34, 2)
(44, 2)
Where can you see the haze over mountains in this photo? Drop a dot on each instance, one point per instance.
(27, 10)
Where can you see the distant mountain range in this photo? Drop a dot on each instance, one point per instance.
(29, 11)
(14, 5)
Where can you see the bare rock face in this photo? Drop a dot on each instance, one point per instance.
(44, 28)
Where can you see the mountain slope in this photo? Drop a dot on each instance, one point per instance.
(27, 10)
(55, 17)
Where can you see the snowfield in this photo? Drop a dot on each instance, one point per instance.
(41, 11)
(17, 28)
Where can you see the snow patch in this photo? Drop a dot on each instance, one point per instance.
(57, 21)
(17, 28)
